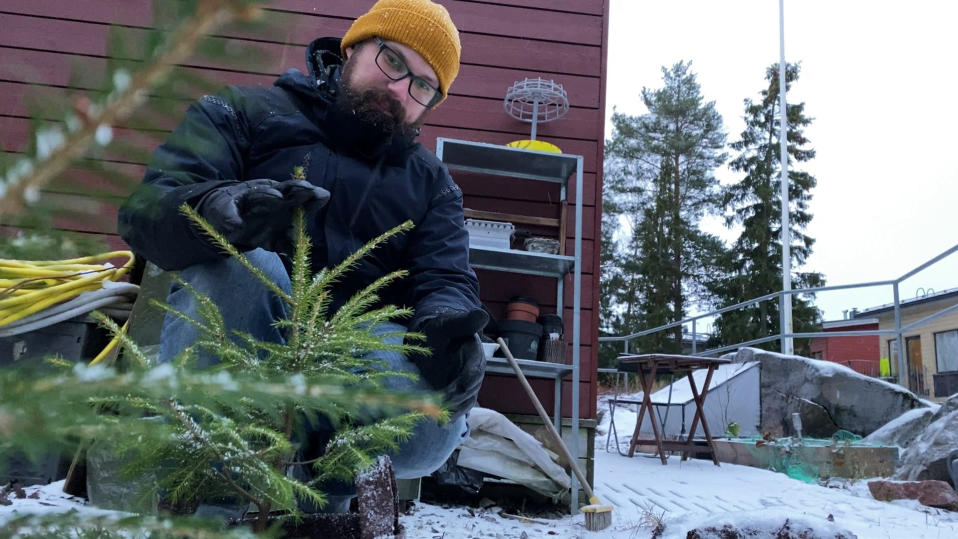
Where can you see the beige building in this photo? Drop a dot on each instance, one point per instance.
(931, 348)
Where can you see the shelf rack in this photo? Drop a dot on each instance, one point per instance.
(549, 167)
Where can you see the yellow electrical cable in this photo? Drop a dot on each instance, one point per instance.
(111, 345)
(29, 286)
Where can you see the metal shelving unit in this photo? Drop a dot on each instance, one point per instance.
(534, 165)
(527, 262)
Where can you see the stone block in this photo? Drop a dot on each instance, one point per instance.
(931, 493)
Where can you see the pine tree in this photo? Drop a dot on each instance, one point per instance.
(753, 265)
(670, 153)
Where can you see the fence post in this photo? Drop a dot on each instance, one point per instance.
(695, 339)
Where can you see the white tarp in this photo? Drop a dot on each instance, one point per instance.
(498, 447)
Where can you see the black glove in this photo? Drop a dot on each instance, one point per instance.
(457, 363)
(259, 213)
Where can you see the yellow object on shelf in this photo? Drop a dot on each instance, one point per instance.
(537, 145)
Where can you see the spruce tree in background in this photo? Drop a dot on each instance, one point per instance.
(669, 155)
(625, 194)
(753, 265)
(610, 282)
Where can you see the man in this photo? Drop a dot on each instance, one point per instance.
(350, 125)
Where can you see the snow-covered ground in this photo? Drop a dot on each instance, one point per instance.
(694, 494)
(681, 496)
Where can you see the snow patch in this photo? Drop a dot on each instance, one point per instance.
(94, 373)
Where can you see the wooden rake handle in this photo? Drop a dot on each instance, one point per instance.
(548, 422)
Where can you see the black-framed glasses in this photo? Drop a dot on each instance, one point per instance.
(392, 64)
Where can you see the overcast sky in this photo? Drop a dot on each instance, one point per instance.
(879, 79)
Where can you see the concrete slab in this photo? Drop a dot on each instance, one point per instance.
(811, 460)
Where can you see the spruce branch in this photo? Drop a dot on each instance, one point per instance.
(366, 297)
(125, 341)
(56, 150)
(350, 262)
(351, 448)
(198, 436)
(230, 249)
(68, 525)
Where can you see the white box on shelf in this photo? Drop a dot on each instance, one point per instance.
(493, 234)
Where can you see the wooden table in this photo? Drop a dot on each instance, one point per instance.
(647, 366)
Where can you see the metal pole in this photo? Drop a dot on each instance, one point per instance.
(786, 299)
(899, 342)
(576, 326)
(695, 339)
(535, 120)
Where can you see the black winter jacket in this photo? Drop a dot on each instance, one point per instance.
(246, 133)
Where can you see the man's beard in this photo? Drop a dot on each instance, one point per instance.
(375, 107)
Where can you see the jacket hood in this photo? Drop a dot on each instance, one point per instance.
(324, 71)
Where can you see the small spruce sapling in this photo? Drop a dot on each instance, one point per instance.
(230, 430)
(247, 452)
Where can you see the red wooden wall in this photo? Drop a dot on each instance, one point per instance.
(860, 353)
(51, 48)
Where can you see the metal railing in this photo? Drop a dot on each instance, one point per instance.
(863, 366)
(898, 331)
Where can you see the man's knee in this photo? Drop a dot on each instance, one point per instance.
(229, 278)
(429, 446)
(245, 302)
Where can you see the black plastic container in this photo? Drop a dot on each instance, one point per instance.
(551, 323)
(521, 337)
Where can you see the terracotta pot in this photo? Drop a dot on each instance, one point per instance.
(522, 309)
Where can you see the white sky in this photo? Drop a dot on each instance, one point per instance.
(878, 77)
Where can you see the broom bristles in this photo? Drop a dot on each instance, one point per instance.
(597, 517)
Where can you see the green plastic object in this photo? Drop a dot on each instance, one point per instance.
(843, 435)
(803, 472)
(884, 367)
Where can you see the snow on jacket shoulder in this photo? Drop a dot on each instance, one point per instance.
(245, 133)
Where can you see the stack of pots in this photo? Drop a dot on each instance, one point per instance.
(519, 330)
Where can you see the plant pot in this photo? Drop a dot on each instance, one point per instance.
(521, 337)
(524, 309)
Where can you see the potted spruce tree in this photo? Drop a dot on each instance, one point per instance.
(186, 434)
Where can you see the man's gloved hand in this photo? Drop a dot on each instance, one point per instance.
(259, 213)
(457, 363)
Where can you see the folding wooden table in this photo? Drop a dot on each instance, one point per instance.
(647, 366)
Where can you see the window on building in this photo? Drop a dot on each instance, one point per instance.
(946, 350)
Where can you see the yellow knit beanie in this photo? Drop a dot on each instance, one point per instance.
(421, 25)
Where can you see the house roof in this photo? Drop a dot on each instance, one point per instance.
(927, 298)
(835, 324)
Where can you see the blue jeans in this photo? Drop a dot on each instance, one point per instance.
(248, 305)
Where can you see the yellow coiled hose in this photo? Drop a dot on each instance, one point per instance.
(39, 293)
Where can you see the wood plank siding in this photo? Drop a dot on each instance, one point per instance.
(50, 49)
